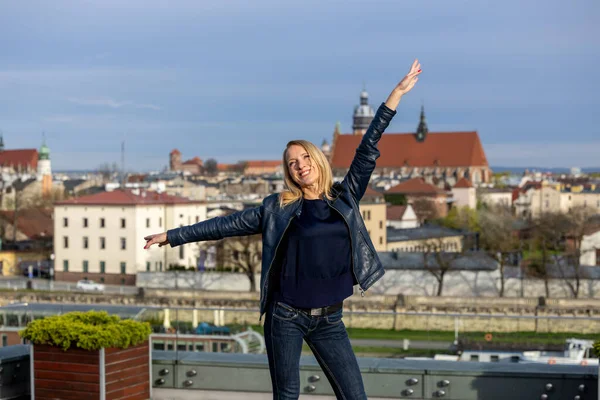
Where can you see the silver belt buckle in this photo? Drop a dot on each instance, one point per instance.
(316, 311)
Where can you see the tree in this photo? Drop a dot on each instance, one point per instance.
(210, 167)
(574, 226)
(547, 241)
(498, 238)
(244, 253)
(437, 260)
(425, 209)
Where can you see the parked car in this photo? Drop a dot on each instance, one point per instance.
(88, 285)
(205, 328)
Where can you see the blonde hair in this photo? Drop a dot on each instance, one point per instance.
(293, 191)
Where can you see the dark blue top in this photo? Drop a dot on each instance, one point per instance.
(316, 266)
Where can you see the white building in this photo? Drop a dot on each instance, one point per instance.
(101, 236)
(495, 197)
(464, 194)
(590, 249)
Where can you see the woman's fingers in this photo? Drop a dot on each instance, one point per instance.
(415, 65)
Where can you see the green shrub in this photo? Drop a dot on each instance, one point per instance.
(90, 330)
(597, 348)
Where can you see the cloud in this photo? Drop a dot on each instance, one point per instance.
(109, 102)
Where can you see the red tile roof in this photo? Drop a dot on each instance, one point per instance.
(175, 151)
(227, 167)
(372, 192)
(463, 183)
(194, 161)
(23, 158)
(395, 213)
(34, 223)
(415, 186)
(449, 149)
(262, 163)
(127, 198)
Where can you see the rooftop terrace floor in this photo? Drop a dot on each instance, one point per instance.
(179, 394)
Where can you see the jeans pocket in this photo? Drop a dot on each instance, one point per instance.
(284, 312)
(335, 318)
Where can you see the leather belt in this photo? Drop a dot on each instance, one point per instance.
(322, 311)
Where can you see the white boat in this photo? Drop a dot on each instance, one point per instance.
(577, 352)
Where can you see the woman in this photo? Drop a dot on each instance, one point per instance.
(315, 248)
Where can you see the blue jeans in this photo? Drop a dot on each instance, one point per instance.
(286, 327)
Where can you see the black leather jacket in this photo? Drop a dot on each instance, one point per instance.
(272, 221)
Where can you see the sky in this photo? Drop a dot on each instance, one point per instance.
(236, 80)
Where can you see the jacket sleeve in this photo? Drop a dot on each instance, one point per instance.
(367, 153)
(242, 223)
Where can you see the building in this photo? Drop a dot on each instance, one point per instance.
(429, 238)
(34, 227)
(464, 194)
(495, 197)
(590, 247)
(535, 198)
(447, 156)
(429, 201)
(101, 236)
(373, 209)
(194, 166)
(402, 217)
(262, 167)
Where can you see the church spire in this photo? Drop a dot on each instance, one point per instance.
(363, 114)
(422, 128)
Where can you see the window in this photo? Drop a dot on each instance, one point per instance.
(160, 266)
(85, 267)
(85, 242)
(123, 223)
(147, 222)
(474, 357)
(102, 243)
(66, 265)
(102, 267)
(380, 224)
(156, 266)
(180, 215)
(102, 280)
(102, 223)
(147, 266)
(160, 222)
(65, 222)
(598, 257)
(85, 222)
(181, 255)
(122, 281)
(197, 219)
(123, 243)
(369, 215)
(494, 358)
(66, 242)
(380, 239)
(123, 268)
(4, 340)
(547, 204)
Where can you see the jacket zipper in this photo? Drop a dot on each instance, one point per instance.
(264, 290)
(362, 292)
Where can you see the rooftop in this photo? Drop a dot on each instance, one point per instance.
(128, 197)
(448, 149)
(415, 186)
(421, 233)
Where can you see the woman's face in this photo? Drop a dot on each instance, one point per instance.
(302, 168)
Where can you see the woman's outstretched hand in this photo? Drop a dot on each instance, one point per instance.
(405, 85)
(160, 238)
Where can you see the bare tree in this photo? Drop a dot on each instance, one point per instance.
(549, 231)
(108, 171)
(498, 237)
(210, 167)
(244, 253)
(425, 209)
(438, 259)
(574, 227)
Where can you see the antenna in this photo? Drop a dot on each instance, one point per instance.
(123, 165)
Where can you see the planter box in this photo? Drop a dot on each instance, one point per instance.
(75, 374)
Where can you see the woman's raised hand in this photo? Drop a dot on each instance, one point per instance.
(405, 85)
(160, 238)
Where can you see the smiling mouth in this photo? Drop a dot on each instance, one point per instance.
(305, 173)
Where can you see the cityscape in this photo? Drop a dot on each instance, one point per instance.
(483, 208)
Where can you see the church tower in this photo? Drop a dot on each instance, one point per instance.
(175, 160)
(363, 115)
(422, 129)
(44, 169)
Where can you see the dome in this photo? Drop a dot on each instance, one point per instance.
(44, 153)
